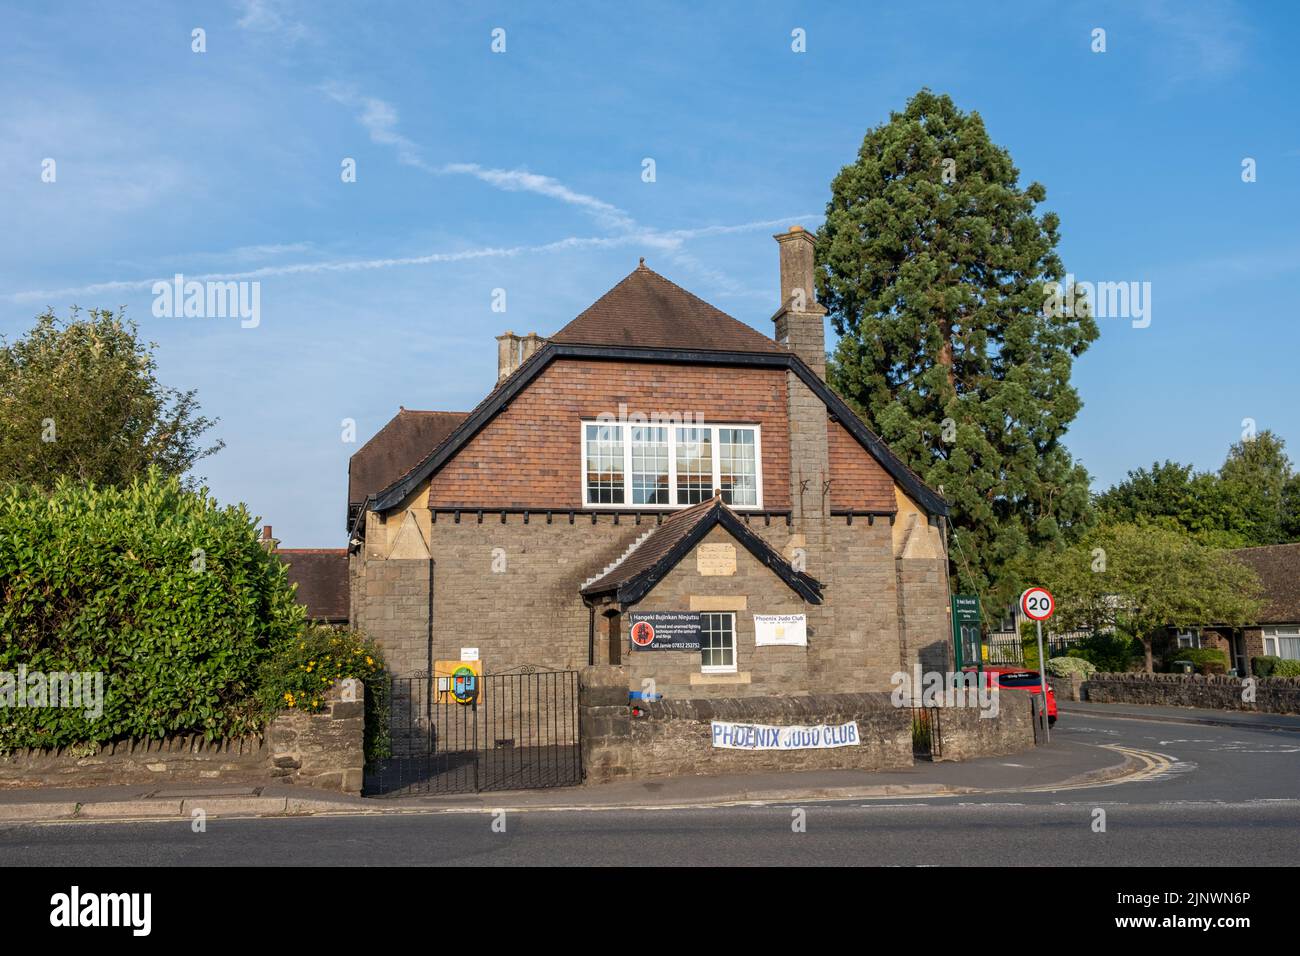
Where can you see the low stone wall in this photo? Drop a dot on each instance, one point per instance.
(1273, 695)
(674, 737)
(965, 735)
(324, 750)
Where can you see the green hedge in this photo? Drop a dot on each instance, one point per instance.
(1207, 659)
(165, 593)
(1068, 666)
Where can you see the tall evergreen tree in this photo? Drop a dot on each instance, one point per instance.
(934, 266)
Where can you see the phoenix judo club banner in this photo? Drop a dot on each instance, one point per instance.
(732, 736)
(664, 630)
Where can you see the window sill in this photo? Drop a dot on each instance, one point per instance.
(741, 677)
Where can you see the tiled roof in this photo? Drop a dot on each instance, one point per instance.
(322, 578)
(1278, 567)
(645, 310)
(397, 448)
(653, 555)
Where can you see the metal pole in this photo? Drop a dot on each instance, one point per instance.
(1042, 681)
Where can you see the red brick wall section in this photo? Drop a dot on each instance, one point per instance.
(858, 482)
(530, 455)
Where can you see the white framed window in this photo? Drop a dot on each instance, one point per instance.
(718, 642)
(1282, 642)
(1191, 639)
(666, 466)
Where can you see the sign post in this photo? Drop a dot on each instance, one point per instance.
(966, 631)
(1037, 604)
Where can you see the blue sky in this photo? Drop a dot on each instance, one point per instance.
(522, 170)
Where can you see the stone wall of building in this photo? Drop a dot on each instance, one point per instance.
(324, 751)
(1273, 695)
(509, 586)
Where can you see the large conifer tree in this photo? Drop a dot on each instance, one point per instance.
(933, 264)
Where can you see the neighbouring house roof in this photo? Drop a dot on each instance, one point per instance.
(657, 552)
(1278, 567)
(321, 575)
(645, 310)
(395, 449)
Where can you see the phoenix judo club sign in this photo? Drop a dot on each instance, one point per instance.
(664, 630)
(733, 736)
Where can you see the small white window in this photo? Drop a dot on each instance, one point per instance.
(1190, 639)
(718, 642)
(603, 450)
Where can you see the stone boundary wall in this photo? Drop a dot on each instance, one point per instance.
(965, 735)
(1273, 695)
(324, 750)
(674, 737)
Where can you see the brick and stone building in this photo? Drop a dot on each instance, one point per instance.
(655, 454)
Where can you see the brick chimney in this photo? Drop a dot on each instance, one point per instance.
(269, 541)
(800, 322)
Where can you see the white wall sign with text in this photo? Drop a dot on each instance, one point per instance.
(775, 630)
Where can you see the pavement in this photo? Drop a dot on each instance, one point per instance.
(1064, 765)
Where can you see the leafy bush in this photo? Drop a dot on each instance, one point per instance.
(300, 672)
(1264, 666)
(1208, 660)
(1112, 653)
(167, 595)
(1287, 668)
(1068, 666)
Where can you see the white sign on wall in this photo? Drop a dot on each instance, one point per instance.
(775, 630)
(469, 653)
(731, 736)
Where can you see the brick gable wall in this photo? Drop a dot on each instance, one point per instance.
(530, 455)
(858, 481)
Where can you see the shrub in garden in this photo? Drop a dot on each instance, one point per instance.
(1113, 653)
(298, 674)
(165, 593)
(1069, 666)
(1208, 660)
(1264, 666)
(1286, 668)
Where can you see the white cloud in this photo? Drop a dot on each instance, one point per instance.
(671, 242)
(271, 17)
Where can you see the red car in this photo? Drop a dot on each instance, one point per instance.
(1019, 678)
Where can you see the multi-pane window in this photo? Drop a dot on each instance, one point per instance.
(694, 465)
(604, 471)
(664, 466)
(738, 466)
(717, 642)
(649, 465)
(1282, 642)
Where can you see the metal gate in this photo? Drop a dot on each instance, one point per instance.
(520, 732)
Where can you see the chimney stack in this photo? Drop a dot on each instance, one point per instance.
(268, 540)
(514, 350)
(800, 322)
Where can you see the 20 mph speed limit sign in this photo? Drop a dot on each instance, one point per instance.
(1037, 604)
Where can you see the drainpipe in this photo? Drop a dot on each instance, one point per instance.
(591, 632)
